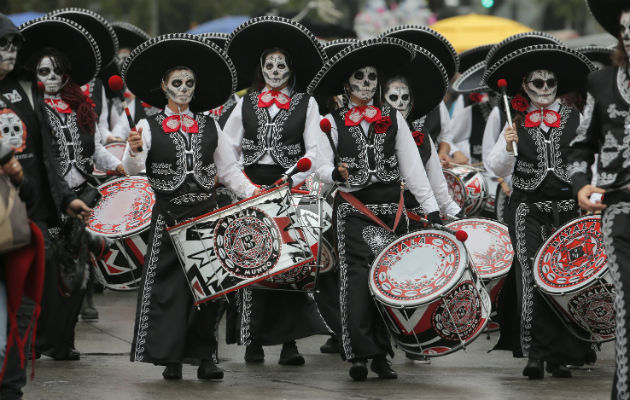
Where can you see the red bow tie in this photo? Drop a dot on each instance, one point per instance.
(174, 122)
(265, 99)
(357, 114)
(217, 111)
(145, 105)
(59, 105)
(551, 119)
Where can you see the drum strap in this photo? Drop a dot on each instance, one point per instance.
(356, 203)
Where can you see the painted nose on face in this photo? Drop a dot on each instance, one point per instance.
(366, 83)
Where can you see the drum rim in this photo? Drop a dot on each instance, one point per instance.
(427, 299)
(474, 204)
(130, 233)
(567, 290)
(487, 277)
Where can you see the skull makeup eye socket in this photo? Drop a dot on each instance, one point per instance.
(269, 66)
(176, 82)
(405, 97)
(190, 83)
(372, 76)
(358, 75)
(281, 66)
(393, 97)
(5, 129)
(8, 40)
(16, 128)
(540, 83)
(43, 71)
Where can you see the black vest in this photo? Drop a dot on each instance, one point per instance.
(430, 124)
(222, 113)
(282, 137)
(425, 148)
(480, 113)
(73, 144)
(368, 154)
(543, 155)
(172, 159)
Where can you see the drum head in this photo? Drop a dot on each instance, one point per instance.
(417, 268)
(117, 149)
(488, 244)
(572, 257)
(124, 209)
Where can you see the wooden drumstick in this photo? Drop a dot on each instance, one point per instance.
(502, 84)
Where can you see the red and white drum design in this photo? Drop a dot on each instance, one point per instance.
(124, 209)
(571, 270)
(121, 268)
(425, 291)
(467, 187)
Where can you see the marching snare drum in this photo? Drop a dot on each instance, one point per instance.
(491, 251)
(430, 299)
(570, 270)
(247, 242)
(123, 214)
(467, 187)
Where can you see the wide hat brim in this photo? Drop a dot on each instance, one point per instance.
(99, 28)
(473, 56)
(427, 79)
(431, 40)
(386, 54)
(570, 67)
(129, 36)
(607, 13)
(218, 38)
(598, 54)
(66, 36)
(518, 41)
(471, 80)
(215, 74)
(250, 40)
(335, 46)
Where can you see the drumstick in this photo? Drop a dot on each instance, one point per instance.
(326, 127)
(502, 84)
(303, 165)
(116, 84)
(461, 235)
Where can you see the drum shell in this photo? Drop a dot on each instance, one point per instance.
(121, 268)
(492, 184)
(468, 188)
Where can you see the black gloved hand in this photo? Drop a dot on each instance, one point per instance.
(434, 218)
(460, 215)
(336, 176)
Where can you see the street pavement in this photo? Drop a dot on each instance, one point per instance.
(105, 372)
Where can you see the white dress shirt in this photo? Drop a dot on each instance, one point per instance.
(438, 183)
(409, 162)
(234, 130)
(121, 129)
(103, 119)
(228, 169)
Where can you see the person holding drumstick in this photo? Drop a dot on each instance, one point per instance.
(370, 152)
(185, 154)
(270, 129)
(604, 131)
(541, 200)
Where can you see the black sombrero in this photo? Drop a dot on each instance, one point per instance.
(144, 69)
(218, 38)
(471, 80)
(66, 36)
(428, 39)
(129, 36)
(472, 57)
(570, 67)
(427, 78)
(335, 46)
(599, 54)
(608, 12)
(386, 54)
(248, 42)
(99, 28)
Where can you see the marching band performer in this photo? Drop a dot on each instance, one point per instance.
(184, 153)
(604, 132)
(375, 153)
(541, 200)
(270, 129)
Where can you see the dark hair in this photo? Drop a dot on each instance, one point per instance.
(259, 81)
(70, 93)
(620, 56)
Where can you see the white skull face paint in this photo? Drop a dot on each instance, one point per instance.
(11, 130)
(122, 56)
(50, 75)
(180, 86)
(541, 86)
(275, 70)
(624, 30)
(398, 96)
(8, 52)
(363, 83)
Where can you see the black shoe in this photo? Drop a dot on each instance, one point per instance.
(558, 370)
(358, 371)
(290, 354)
(254, 353)
(534, 369)
(383, 368)
(209, 370)
(89, 313)
(172, 371)
(70, 355)
(591, 357)
(331, 346)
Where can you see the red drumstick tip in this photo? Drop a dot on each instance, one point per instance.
(325, 125)
(41, 87)
(502, 83)
(304, 164)
(461, 236)
(115, 83)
